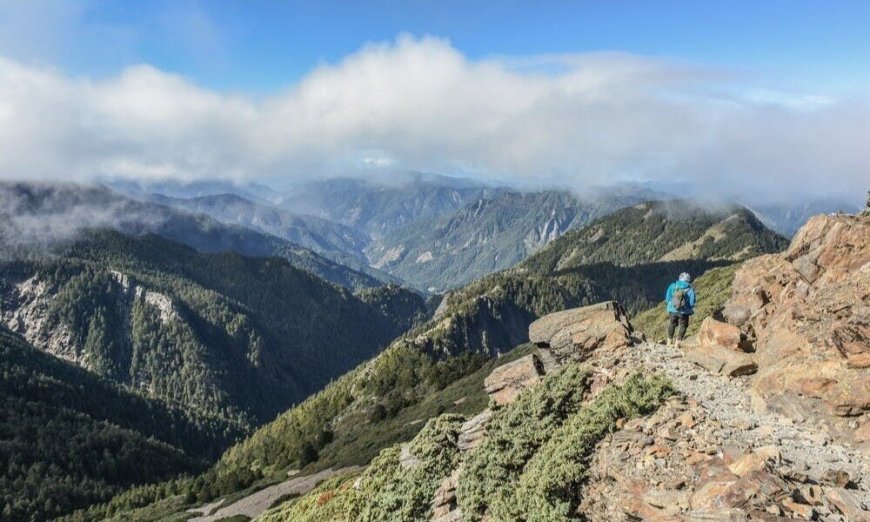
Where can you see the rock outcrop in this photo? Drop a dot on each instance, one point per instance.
(723, 335)
(575, 333)
(601, 331)
(708, 455)
(25, 309)
(807, 313)
(506, 382)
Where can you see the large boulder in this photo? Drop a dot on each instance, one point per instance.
(578, 331)
(506, 382)
(808, 313)
(724, 361)
(721, 334)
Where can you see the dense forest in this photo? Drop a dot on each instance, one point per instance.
(225, 335)
(71, 439)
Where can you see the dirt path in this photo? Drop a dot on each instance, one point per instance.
(806, 448)
(255, 504)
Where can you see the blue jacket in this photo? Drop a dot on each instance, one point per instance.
(688, 310)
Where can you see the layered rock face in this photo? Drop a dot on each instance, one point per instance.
(807, 313)
(577, 332)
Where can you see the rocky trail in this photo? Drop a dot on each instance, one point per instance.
(713, 453)
(806, 447)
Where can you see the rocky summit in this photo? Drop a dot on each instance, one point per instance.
(807, 312)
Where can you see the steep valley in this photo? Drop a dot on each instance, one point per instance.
(436, 367)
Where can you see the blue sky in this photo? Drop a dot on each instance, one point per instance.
(259, 46)
(760, 98)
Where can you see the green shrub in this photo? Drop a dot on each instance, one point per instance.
(514, 435)
(549, 487)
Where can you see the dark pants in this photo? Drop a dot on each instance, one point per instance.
(675, 319)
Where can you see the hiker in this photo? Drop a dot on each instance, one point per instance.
(680, 298)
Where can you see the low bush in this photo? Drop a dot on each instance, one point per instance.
(514, 435)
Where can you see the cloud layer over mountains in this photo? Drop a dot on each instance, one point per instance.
(421, 104)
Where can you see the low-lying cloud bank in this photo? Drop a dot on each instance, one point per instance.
(420, 104)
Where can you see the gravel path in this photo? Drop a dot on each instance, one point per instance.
(805, 448)
(256, 503)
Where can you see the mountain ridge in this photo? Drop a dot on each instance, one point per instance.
(41, 216)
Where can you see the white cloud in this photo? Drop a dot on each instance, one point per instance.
(421, 104)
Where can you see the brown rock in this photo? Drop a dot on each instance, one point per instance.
(729, 493)
(802, 510)
(543, 330)
(506, 382)
(847, 503)
(721, 360)
(858, 361)
(816, 386)
(838, 478)
(686, 420)
(770, 453)
(813, 495)
(748, 463)
(724, 335)
(444, 507)
(578, 331)
(862, 434)
(671, 501)
(473, 431)
(807, 313)
(712, 495)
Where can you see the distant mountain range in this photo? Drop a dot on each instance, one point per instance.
(377, 207)
(44, 215)
(428, 231)
(487, 235)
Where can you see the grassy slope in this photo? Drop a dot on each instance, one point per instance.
(646, 233)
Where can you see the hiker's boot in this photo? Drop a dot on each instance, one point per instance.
(677, 344)
(670, 342)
